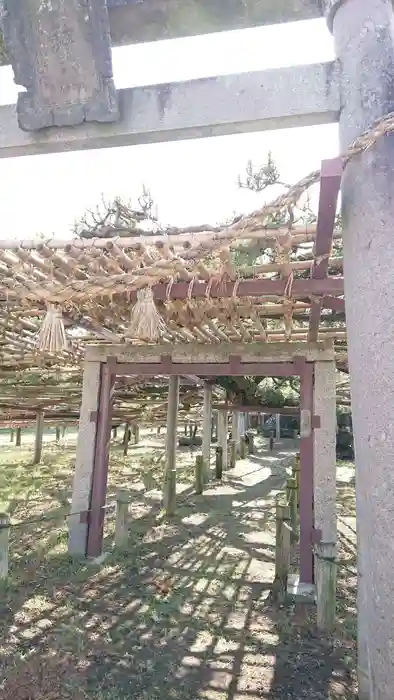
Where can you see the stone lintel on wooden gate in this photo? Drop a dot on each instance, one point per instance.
(195, 353)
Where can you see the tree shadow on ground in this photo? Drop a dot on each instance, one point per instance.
(182, 614)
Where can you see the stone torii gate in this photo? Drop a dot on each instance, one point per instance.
(76, 88)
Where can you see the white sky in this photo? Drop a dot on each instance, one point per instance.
(191, 181)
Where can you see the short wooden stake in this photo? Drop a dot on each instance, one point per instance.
(232, 454)
(326, 575)
(292, 503)
(296, 475)
(136, 434)
(242, 447)
(199, 482)
(122, 518)
(63, 431)
(282, 553)
(57, 434)
(126, 439)
(4, 544)
(18, 437)
(219, 463)
(12, 435)
(271, 442)
(251, 444)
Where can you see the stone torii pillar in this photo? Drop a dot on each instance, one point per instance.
(364, 40)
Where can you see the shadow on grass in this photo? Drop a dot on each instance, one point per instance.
(182, 614)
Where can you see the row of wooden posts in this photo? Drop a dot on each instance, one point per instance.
(287, 508)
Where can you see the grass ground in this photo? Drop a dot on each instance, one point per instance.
(183, 614)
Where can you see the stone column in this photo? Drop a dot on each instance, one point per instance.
(324, 453)
(222, 435)
(38, 438)
(84, 462)
(207, 428)
(364, 40)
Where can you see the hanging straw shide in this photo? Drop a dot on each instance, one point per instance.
(146, 322)
(52, 336)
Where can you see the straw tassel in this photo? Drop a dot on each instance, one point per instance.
(146, 322)
(52, 336)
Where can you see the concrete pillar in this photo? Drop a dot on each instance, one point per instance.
(235, 430)
(222, 436)
(277, 426)
(324, 453)
(84, 462)
(207, 427)
(38, 438)
(364, 40)
(169, 490)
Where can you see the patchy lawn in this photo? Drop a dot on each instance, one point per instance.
(183, 614)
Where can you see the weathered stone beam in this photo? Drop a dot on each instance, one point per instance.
(272, 99)
(132, 21)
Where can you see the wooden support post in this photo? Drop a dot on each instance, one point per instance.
(57, 434)
(199, 481)
(277, 426)
(251, 443)
(222, 436)
(326, 571)
(207, 426)
(296, 476)
(18, 439)
(235, 430)
(136, 434)
(169, 490)
(126, 439)
(242, 447)
(38, 438)
(271, 442)
(4, 544)
(219, 463)
(232, 454)
(122, 519)
(282, 553)
(12, 435)
(292, 502)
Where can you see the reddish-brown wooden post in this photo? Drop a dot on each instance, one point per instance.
(100, 469)
(306, 473)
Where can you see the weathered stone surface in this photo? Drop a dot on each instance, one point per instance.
(271, 99)
(60, 52)
(134, 21)
(363, 33)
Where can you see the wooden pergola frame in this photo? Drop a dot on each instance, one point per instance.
(108, 362)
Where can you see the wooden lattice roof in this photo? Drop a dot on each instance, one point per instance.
(203, 286)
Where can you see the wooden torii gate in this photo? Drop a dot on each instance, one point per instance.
(356, 90)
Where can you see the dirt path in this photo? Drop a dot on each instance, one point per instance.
(183, 615)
